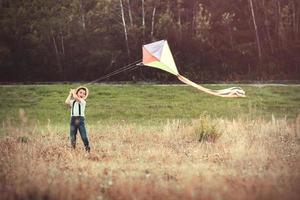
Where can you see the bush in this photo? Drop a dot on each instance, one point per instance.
(23, 139)
(206, 129)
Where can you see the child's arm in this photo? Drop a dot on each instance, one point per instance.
(67, 102)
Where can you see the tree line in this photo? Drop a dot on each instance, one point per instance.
(211, 40)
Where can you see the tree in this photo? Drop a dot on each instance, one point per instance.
(256, 30)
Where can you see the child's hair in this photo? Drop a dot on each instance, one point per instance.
(81, 88)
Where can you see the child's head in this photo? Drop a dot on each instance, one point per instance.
(82, 92)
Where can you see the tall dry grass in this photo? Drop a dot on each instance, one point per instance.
(249, 159)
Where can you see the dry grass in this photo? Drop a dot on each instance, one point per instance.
(250, 159)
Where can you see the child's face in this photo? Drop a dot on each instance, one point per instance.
(81, 93)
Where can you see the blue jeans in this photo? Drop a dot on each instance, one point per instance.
(77, 123)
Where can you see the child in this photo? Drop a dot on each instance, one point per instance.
(76, 100)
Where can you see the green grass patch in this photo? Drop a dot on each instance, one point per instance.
(146, 103)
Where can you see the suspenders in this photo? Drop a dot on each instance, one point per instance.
(73, 108)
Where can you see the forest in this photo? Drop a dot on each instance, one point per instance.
(211, 40)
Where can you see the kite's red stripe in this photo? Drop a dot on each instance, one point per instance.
(147, 57)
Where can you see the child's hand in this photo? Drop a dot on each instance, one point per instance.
(72, 91)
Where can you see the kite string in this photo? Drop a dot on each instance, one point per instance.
(129, 67)
(116, 72)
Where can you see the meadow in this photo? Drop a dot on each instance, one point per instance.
(151, 142)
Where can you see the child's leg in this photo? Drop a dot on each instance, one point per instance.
(83, 134)
(73, 133)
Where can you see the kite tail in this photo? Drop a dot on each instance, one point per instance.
(229, 92)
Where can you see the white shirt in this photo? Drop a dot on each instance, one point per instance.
(75, 109)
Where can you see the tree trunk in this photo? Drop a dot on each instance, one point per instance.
(295, 9)
(267, 25)
(125, 29)
(62, 60)
(281, 40)
(62, 45)
(82, 16)
(143, 18)
(256, 30)
(276, 25)
(194, 19)
(129, 13)
(60, 68)
(55, 46)
(179, 21)
(152, 22)
(62, 41)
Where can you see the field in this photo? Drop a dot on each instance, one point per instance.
(151, 142)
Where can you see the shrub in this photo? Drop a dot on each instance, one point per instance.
(206, 129)
(23, 139)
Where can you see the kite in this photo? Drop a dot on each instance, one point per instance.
(158, 55)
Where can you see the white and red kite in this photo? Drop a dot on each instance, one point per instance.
(158, 55)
